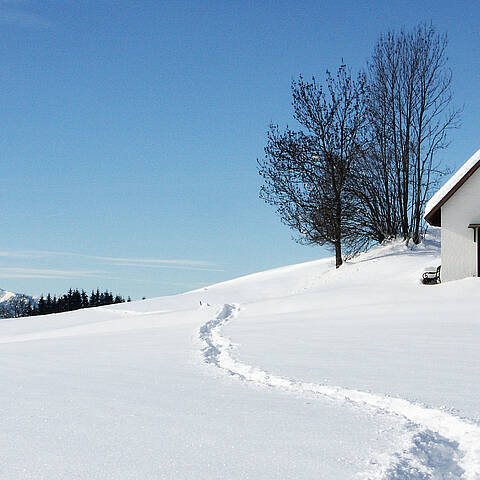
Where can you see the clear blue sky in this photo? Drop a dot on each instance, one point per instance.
(130, 130)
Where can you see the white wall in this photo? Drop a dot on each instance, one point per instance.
(459, 252)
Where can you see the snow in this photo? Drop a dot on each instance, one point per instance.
(447, 187)
(299, 372)
(6, 295)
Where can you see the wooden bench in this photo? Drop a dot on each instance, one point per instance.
(431, 277)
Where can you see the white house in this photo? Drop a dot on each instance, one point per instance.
(456, 208)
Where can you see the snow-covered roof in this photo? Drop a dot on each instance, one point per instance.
(432, 209)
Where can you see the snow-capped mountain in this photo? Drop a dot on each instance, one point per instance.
(5, 295)
(7, 299)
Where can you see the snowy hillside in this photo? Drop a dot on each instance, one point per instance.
(303, 372)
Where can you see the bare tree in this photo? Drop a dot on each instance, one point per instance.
(307, 173)
(5, 311)
(410, 114)
(366, 157)
(16, 306)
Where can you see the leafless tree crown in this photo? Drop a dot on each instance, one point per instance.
(364, 162)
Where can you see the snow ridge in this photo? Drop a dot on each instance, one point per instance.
(443, 446)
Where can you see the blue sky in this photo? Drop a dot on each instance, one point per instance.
(130, 131)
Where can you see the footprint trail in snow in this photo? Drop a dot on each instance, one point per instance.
(443, 446)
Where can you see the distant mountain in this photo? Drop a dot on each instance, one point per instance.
(7, 299)
(5, 295)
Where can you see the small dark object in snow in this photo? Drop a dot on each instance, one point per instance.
(431, 277)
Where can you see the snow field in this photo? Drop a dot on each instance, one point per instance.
(442, 427)
(356, 373)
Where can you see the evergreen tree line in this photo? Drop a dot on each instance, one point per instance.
(75, 300)
(366, 155)
(22, 306)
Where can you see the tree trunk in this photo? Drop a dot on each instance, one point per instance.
(338, 253)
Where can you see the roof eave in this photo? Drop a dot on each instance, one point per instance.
(434, 217)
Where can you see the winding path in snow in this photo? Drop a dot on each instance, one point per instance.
(444, 446)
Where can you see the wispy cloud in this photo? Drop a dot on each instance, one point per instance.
(185, 264)
(18, 272)
(16, 12)
(9, 254)
(149, 261)
(157, 263)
